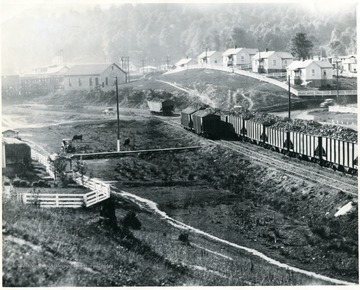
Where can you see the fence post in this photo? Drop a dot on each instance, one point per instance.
(57, 200)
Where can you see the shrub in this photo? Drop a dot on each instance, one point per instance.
(131, 221)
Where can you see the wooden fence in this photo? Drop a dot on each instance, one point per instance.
(99, 190)
(35, 155)
(53, 200)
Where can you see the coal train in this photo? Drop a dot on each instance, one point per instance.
(329, 152)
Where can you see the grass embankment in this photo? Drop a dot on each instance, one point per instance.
(222, 89)
(64, 247)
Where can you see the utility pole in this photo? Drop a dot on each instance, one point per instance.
(289, 97)
(143, 65)
(117, 111)
(337, 80)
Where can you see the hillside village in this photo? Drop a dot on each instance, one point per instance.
(317, 72)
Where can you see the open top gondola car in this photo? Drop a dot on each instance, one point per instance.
(161, 107)
(207, 123)
(186, 116)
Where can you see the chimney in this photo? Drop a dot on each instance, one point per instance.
(235, 46)
(267, 50)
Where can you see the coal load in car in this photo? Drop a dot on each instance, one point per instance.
(161, 107)
(207, 124)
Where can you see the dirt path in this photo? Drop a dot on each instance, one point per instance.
(203, 97)
(152, 206)
(251, 103)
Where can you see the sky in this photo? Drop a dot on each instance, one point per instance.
(11, 8)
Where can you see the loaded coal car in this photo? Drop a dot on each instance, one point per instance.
(186, 116)
(207, 123)
(339, 155)
(161, 107)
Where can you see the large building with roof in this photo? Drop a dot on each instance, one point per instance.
(271, 61)
(314, 73)
(91, 76)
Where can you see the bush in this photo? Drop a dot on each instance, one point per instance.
(131, 221)
(23, 183)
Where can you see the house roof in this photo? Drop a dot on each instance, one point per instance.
(10, 130)
(183, 61)
(89, 69)
(206, 53)
(9, 140)
(302, 64)
(267, 54)
(231, 51)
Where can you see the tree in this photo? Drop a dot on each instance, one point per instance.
(301, 46)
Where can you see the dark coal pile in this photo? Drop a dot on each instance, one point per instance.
(315, 128)
(302, 126)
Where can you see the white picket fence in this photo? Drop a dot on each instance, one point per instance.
(326, 93)
(343, 109)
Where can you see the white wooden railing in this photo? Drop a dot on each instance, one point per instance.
(53, 199)
(35, 155)
(99, 190)
(343, 109)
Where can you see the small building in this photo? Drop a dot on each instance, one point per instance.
(16, 157)
(209, 57)
(315, 73)
(91, 76)
(10, 133)
(349, 64)
(271, 61)
(239, 57)
(185, 62)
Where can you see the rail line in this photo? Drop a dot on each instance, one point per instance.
(306, 173)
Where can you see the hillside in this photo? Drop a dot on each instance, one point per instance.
(216, 88)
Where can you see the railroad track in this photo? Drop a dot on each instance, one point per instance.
(307, 172)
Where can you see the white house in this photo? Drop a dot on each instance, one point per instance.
(209, 57)
(349, 63)
(315, 73)
(185, 62)
(271, 61)
(238, 57)
(90, 76)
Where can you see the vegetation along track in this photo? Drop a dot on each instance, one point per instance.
(325, 177)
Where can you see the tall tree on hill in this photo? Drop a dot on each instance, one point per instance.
(301, 46)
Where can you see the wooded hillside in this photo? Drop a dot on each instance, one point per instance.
(151, 32)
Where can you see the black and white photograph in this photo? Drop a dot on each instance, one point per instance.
(163, 144)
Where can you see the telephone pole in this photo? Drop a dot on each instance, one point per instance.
(117, 111)
(289, 96)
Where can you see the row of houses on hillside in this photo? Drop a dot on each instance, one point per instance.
(243, 58)
(260, 61)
